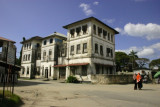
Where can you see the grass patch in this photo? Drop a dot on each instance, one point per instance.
(10, 100)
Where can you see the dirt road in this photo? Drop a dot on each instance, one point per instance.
(38, 93)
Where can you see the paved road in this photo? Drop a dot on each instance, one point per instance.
(38, 93)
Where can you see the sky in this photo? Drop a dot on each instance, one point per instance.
(138, 21)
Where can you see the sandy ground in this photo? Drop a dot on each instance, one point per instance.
(38, 93)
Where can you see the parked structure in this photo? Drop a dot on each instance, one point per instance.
(88, 50)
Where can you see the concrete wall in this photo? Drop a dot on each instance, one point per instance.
(112, 79)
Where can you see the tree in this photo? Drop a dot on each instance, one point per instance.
(154, 63)
(142, 62)
(133, 56)
(122, 60)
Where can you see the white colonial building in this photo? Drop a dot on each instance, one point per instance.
(88, 50)
(39, 55)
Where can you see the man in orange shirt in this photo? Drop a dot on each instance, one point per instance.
(139, 81)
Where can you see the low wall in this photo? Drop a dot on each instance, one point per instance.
(111, 79)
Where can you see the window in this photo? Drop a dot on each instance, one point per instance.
(24, 46)
(63, 51)
(104, 34)
(23, 70)
(50, 55)
(51, 40)
(39, 56)
(109, 36)
(50, 71)
(38, 71)
(97, 69)
(24, 57)
(29, 45)
(37, 45)
(42, 71)
(84, 47)
(78, 30)
(78, 49)
(44, 43)
(84, 29)
(96, 48)
(111, 53)
(27, 70)
(72, 50)
(28, 56)
(44, 55)
(99, 31)
(107, 51)
(101, 50)
(72, 31)
(94, 29)
(84, 70)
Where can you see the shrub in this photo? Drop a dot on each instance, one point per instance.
(72, 79)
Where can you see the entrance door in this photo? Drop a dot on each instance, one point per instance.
(62, 72)
(46, 73)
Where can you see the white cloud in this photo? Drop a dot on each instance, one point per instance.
(146, 52)
(149, 31)
(108, 20)
(86, 9)
(151, 51)
(96, 3)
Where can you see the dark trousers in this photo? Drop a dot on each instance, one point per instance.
(135, 84)
(140, 85)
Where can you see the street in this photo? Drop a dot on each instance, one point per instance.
(38, 93)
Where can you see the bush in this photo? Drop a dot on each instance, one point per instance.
(72, 79)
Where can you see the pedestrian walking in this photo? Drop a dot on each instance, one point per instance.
(135, 81)
(139, 81)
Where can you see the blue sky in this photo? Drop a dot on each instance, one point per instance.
(138, 21)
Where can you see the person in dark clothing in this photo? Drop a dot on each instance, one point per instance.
(139, 81)
(135, 81)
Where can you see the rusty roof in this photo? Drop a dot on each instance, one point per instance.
(4, 39)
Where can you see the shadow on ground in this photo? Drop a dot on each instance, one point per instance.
(22, 83)
(148, 90)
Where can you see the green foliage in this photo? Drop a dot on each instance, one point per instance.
(10, 100)
(142, 62)
(155, 62)
(72, 79)
(122, 60)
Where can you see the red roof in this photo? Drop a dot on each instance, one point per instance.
(59, 65)
(76, 64)
(4, 39)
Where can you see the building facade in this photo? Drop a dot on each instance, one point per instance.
(88, 50)
(39, 55)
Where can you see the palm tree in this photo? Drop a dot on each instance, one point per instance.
(133, 56)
